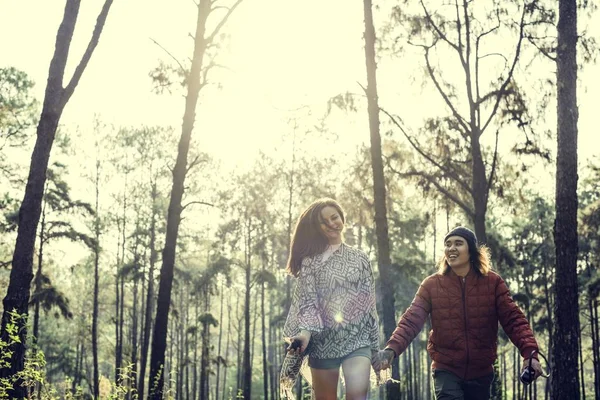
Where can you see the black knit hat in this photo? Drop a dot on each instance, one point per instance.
(465, 233)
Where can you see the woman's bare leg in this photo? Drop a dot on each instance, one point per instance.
(325, 383)
(357, 372)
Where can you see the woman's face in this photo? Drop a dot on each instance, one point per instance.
(331, 224)
(456, 252)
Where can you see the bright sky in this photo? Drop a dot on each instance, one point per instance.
(282, 55)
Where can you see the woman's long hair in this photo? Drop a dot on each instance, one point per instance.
(308, 240)
(480, 260)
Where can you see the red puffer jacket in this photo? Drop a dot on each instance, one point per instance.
(464, 318)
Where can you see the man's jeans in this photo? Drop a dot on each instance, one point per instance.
(450, 387)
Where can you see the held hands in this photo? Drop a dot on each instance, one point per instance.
(299, 343)
(382, 359)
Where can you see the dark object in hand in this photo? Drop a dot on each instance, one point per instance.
(296, 343)
(527, 375)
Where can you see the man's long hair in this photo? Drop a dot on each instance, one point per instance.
(308, 240)
(480, 260)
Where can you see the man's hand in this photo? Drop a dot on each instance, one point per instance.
(535, 364)
(302, 338)
(382, 359)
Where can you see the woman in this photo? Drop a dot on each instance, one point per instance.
(332, 314)
(465, 300)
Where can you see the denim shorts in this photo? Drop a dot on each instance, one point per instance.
(333, 363)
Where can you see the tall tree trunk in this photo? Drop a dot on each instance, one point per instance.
(205, 358)
(117, 310)
(38, 277)
(504, 381)
(596, 344)
(219, 341)
(565, 380)
(247, 361)
(96, 372)
(264, 343)
(516, 386)
(78, 375)
(180, 348)
(55, 99)
(582, 369)
(187, 361)
(548, 304)
(379, 192)
(135, 306)
(172, 341)
(159, 341)
(593, 310)
(122, 336)
(150, 294)
(38, 288)
(246, 358)
(195, 384)
(227, 341)
(273, 344)
(120, 286)
(240, 347)
(134, 322)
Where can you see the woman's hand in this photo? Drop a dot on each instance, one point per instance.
(299, 343)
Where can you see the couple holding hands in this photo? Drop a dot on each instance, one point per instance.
(333, 317)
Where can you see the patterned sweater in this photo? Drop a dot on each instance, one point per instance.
(335, 300)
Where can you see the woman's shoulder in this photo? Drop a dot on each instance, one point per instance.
(356, 252)
(307, 261)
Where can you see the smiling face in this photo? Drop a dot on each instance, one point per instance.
(457, 252)
(331, 224)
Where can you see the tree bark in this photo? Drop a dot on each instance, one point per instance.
(117, 312)
(595, 346)
(218, 378)
(205, 358)
(159, 340)
(38, 277)
(149, 295)
(96, 373)
(227, 341)
(379, 192)
(247, 362)
(264, 343)
(565, 380)
(55, 99)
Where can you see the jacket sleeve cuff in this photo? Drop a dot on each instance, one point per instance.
(526, 353)
(394, 351)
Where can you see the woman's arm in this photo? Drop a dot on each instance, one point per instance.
(304, 316)
(374, 327)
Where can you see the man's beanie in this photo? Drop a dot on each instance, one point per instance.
(465, 233)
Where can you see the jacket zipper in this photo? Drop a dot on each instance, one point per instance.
(464, 298)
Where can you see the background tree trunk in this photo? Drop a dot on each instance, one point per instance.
(379, 191)
(159, 340)
(55, 99)
(565, 381)
(96, 372)
(219, 341)
(247, 362)
(149, 295)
